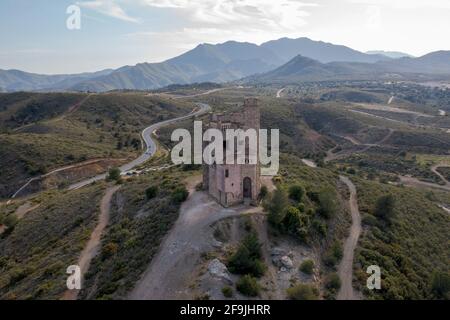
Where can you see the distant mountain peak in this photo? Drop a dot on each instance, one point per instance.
(390, 54)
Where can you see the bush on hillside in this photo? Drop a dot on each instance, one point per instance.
(303, 292)
(307, 266)
(296, 192)
(180, 194)
(248, 286)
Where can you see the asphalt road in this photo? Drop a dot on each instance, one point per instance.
(150, 146)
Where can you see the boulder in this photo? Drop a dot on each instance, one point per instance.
(219, 270)
(286, 262)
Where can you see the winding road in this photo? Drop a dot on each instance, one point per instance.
(345, 269)
(150, 143)
(149, 152)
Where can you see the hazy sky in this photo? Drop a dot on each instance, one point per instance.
(34, 36)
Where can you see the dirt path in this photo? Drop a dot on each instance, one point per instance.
(345, 269)
(436, 172)
(93, 245)
(346, 153)
(74, 108)
(309, 163)
(70, 110)
(169, 275)
(391, 99)
(25, 208)
(414, 182)
(279, 92)
(193, 95)
(72, 166)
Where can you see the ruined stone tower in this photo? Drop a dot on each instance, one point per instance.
(234, 183)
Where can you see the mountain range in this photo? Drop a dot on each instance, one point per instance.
(302, 68)
(300, 59)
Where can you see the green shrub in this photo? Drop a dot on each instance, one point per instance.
(307, 267)
(303, 292)
(301, 207)
(248, 286)
(384, 208)
(113, 174)
(227, 292)
(263, 192)
(440, 285)
(151, 192)
(320, 227)
(296, 192)
(369, 220)
(277, 206)
(296, 223)
(246, 260)
(333, 282)
(327, 203)
(191, 167)
(180, 194)
(10, 220)
(333, 255)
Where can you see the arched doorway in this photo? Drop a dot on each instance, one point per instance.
(247, 186)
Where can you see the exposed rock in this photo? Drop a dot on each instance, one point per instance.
(286, 262)
(217, 244)
(219, 270)
(278, 252)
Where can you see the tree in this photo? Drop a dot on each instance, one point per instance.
(180, 194)
(296, 223)
(384, 208)
(277, 206)
(296, 192)
(246, 260)
(151, 192)
(114, 174)
(251, 242)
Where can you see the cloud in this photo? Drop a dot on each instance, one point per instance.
(282, 14)
(280, 17)
(221, 20)
(212, 21)
(108, 7)
(406, 4)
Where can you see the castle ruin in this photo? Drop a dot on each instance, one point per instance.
(231, 184)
